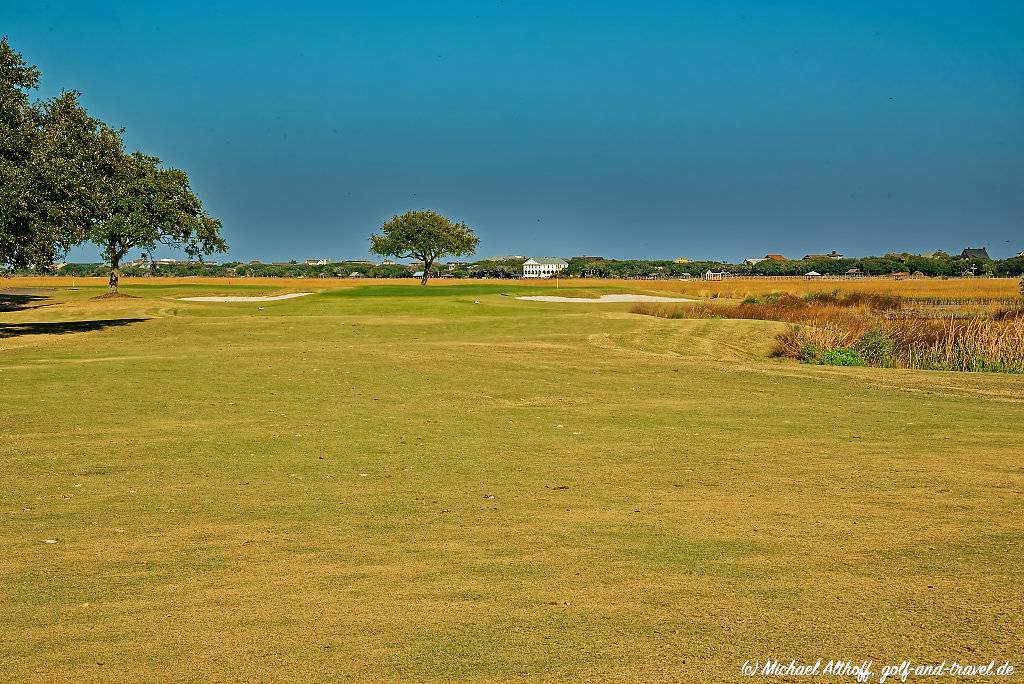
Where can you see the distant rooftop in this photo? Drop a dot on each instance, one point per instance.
(549, 260)
(974, 253)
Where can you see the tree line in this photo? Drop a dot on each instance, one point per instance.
(66, 179)
(937, 265)
(579, 267)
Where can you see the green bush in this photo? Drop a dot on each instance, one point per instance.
(831, 357)
(842, 357)
(811, 354)
(876, 347)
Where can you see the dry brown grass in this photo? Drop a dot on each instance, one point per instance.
(930, 290)
(879, 329)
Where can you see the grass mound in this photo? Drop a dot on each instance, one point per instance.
(115, 295)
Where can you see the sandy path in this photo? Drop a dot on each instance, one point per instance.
(291, 295)
(608, 298)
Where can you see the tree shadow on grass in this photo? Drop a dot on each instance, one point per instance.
(10, 301)
(62, 327)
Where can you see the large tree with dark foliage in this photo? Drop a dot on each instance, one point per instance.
(57, 164)
(151, 206)
(425, 236)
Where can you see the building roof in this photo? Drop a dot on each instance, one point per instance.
(812, 273)
(974, 253)
(775, 257)
(547, 260)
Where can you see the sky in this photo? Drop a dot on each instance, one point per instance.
(719, 130)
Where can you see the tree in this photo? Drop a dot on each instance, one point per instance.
(426, 236)
(56, 167)
(152, 206)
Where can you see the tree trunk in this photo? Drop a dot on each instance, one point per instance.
(115, 275)
(426, 271)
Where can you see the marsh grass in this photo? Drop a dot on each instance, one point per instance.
(879, 329)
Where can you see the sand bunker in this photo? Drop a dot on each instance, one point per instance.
(275, 298)
(608, 298)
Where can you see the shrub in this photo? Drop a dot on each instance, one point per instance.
(843, 356)
(876, 347)
(811, 353)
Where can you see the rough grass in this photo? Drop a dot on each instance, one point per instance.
(865, 328)
(300, 491)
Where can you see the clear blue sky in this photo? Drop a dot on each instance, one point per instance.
(627, 129)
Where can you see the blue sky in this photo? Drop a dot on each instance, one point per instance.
(623, 129)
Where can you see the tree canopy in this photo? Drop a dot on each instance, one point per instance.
(425, 236)
(57, 164)
(151, 206)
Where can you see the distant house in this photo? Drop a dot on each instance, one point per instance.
(812, 275)
(387, 262)
(974, 253)
(715, 275)
(355, 274)
(774, 257)
(316, 262)
(831, 255)
(680, 260)
(899, 275)
(1020, 254)
(543, 267)
(417, 274)
(854, 273)
(755, 261)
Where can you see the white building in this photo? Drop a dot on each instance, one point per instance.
(543, 267)
(317, 262)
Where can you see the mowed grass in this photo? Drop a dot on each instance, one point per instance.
(388, 483)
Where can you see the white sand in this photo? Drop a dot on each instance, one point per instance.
(275, 298)
(608, 298)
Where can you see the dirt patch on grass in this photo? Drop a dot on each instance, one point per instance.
(115, 295)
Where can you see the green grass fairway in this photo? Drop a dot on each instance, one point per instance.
(447, 484)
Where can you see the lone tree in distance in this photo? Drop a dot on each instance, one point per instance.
(426, 236)
(153, 206)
